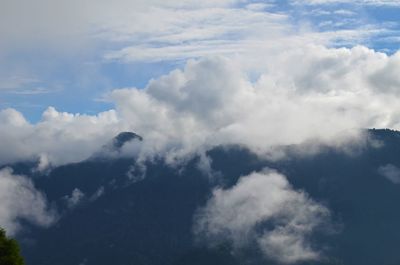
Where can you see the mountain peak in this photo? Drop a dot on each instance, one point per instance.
(124, 137)
(116, 144)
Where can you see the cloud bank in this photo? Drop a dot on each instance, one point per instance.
(263, 208)
(21, 201)
(309, 93)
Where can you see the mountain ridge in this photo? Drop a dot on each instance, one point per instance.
(150, 221)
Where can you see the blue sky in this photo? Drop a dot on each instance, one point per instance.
(71, 56)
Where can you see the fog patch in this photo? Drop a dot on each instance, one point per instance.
(20, 200)
(264, 209)
(390, 172)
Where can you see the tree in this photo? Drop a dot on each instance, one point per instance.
(9, 250)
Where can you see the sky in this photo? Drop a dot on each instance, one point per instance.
(189, 75)
(70, 54)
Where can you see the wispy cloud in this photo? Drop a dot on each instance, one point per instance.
(171, 30)
(21, 85)
(15, 82)
(229, 31)
(394, 3)
(32, 91)
(199, 32)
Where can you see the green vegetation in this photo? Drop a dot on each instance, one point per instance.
(9, 250)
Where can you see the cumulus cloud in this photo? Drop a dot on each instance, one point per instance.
(263, 208)
(391, 172)
(21, 201)
(325, 97)
(212, 101)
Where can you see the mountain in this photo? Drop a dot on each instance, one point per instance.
(127, 212)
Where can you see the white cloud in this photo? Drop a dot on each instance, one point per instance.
(75, 198)
(387, 79)
(137, 172)
(137, 31)
(99, 192)
(198, 32)
(344, 12)
(391, 172)
(212, 100)
(238, 213)
(66, 25)
(228, 31)
(21, 201)
(7, 83)
(357, 2)
(259, 6)
(308, 93)
(44, 163)
(57, 139)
